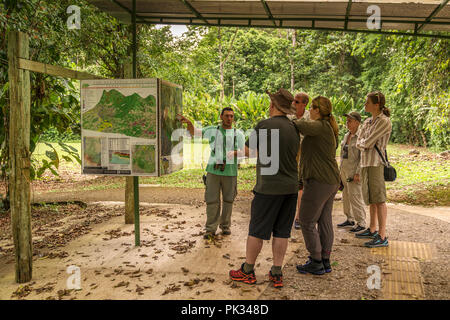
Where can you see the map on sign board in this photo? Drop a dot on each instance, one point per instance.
(170, 105)
(119, 127)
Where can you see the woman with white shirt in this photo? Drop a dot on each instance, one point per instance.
(375, 131)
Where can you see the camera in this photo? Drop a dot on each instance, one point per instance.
(349, 179)
(220, 166)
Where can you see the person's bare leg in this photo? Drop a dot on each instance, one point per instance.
(373, 217)
(382, 216)
(299, 200)
(254, 246)
(279, 247)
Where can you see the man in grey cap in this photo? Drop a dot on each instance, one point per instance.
(273, 206)
(350, 170)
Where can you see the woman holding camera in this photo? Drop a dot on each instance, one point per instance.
(375, 133)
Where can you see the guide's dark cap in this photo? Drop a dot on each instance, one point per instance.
(282, 99)
(354, 115)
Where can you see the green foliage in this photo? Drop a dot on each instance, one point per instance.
(411, 72)
(250, 109)
(55, 107)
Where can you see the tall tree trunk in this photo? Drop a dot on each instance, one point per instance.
(291, 60)
(223, 60)
(222, 85)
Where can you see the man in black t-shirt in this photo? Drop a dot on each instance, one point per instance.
(273, 208)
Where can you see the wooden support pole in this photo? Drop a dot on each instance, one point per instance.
(129, 188)
(137, 224)
(19, 153)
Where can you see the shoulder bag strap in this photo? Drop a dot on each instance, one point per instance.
(382, 158)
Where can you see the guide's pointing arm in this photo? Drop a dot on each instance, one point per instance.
(192, 130)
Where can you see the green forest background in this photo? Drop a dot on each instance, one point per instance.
(220, 67)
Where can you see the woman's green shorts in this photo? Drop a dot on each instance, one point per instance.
(373, 186)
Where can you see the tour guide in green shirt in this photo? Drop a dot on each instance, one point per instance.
(221, 172)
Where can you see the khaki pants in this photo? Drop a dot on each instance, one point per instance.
(353, 203)
(214, 185)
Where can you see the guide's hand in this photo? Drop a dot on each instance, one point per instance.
(356, 178)
(231, 154)
(182, 119)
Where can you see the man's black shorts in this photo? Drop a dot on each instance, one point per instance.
(272, 214)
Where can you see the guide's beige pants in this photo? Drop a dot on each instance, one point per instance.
(214, 185)
(353, 203)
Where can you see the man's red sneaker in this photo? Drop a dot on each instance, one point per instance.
(241, 276)
(277, 280)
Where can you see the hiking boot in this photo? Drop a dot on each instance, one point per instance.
(346, 223)
(366, 234)
(209, 235)
(326, 265)
(377, 242)
(297, 224)
(356, 229)
(312, 266)
(226, 232)
(241, 276)
(277, 280)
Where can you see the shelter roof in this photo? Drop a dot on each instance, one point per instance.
(351, 15)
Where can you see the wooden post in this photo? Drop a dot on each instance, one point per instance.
(19, 153)
(137, 227)
(129, 189)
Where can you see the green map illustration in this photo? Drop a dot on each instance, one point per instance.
(132, 115)
(92, 152)
(144, 159)
(171, 105)
(118, 157)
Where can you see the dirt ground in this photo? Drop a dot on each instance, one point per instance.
(174, 262)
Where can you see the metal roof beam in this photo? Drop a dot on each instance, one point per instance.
(440, 36)
(164, 19)
(268, 12)
(141, 19)
(194, 11)
(431, 16)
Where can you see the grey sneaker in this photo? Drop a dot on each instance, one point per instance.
(377, 242)
(366, 234)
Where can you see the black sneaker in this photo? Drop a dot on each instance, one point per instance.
(357, 229)
(377, 242)
(346, 223)
(326, 265)
(366, 234)
(312, 266)
(209, 235)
